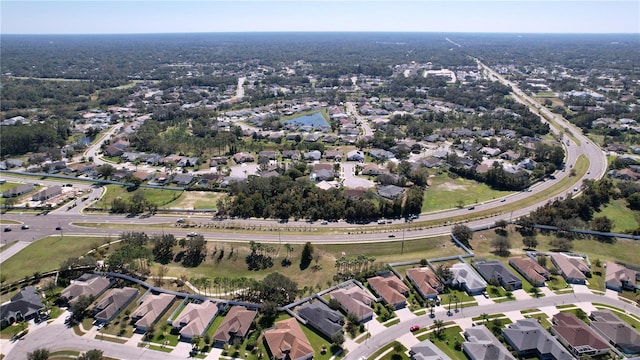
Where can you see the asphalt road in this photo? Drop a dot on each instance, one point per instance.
(367, 348)
(41, 226)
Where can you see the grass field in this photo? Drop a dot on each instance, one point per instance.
(623, 217)
(45, 255)
(196, 200)
(446, 193)
(623, 250)
(159, 197)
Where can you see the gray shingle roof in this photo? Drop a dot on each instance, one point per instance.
(322, 318)
(529, 336)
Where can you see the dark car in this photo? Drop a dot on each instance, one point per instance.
(58, 227)
(7, 229)
(24, 227)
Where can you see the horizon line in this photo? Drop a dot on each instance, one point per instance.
(326, 32)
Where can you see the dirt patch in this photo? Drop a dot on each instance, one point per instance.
(451, 187)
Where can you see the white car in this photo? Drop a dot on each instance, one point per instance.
(192, 234)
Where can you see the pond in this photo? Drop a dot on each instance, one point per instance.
(314, 120)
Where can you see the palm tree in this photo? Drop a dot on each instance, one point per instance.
(439, 324)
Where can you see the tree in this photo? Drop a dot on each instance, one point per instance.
(163, 248)
(277, 288)
(602, 224)
(439, 324)
(105, 171)
(337, 338)
(633, 201)
(38, 354)
(463, 233)
(501, 244)
(195, 252)
(561, 244)
(535, 292)
(80, 307)
(307, 256)
(530, 242)
(444, 273)
(94, 354)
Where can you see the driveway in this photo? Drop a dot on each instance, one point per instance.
(352, 181)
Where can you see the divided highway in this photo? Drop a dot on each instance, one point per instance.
(41, 226)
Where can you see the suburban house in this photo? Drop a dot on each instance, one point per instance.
(322, 318)
(427, 350)
(241, 157)
(391, 289)
(235, 325)
(481, 344)
(195, 318)
(573, 268)
(18, 190)
(381, 154)
(322, 172)
(372, 169)
(529, 339)
(268, 154)
(150, 310)
(425, 281)
(577, 336)
(89, 285)
(495, 269)
(335, 155)
(314, 155)
(25, 305)
(183, 179)
(47, 193)
(355, 155)
(286, 340)
(535, 273)
(619, 277)
(291, 154)
(617, 332)
(355, 300)
(390, 191)
(467, 279)
(113, 302)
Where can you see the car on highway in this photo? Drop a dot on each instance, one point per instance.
(414, 328)
(180, 221)
(7, 229)
(192, 234)
(24, 227)
(59, 228)
(503, 200)
(392, 235)
(324, 223)
(472, 207)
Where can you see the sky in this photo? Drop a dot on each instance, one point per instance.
(153, 16)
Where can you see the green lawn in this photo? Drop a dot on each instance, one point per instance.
(160, 197)
(623, 217)
(447, 343)
(446, 193)
(45, 255)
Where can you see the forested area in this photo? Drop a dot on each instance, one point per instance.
(580, 212)
(23, 138)
(282, 197)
